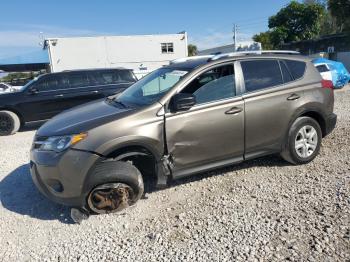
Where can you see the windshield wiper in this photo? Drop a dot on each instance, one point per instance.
(114, 100)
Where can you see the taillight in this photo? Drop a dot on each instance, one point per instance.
(327, 84)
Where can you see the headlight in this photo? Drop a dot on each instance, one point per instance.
(61, 143)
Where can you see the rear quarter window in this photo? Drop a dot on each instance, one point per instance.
(296, 68)
(126, 76)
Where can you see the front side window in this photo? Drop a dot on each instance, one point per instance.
(167, 48)
(48, 83)
(152, 87)
(260, 74)
(215, 84)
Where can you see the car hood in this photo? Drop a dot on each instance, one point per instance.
(9, 91)
(83, 118)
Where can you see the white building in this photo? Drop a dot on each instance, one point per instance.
(241, 46)
(142, 53)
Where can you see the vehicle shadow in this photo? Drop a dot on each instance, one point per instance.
(31, 126)
(19, 194)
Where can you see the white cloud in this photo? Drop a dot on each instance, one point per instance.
(216, 38)
(30, 35)
(24, 38)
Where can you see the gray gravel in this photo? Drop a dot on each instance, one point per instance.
(260, 210)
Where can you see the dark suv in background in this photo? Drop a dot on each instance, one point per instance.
(50, 94)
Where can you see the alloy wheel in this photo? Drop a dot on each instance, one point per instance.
(6, 124)
(306, 141)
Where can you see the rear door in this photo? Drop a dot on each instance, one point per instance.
(80, 90)
(271, 97)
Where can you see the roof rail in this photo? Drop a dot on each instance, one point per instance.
(257, 52)
(191, 58)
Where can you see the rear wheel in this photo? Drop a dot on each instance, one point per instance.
(115, 186)
(304, 141)
(9, 123)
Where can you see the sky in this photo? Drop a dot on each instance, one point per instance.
(209, 23)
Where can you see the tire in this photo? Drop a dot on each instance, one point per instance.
(303, 142)
(9, 123)
(110, 176)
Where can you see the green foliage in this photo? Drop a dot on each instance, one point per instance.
(13, 76)
(340, 10)
(192, 50)
(265, 39)
(296, 21)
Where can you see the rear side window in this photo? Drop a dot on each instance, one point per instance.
(260, 74)
(285, 73)
(297, 68)
(77, 80)
(322, 68)
(111, 77)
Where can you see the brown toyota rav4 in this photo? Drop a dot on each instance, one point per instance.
(194, 115)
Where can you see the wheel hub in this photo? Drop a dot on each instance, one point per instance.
(5, 123)
(110, 198)
(306, 141)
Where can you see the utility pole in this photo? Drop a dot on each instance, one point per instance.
(234, 37)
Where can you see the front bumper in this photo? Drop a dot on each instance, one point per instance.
(61, 176)
(331, 122)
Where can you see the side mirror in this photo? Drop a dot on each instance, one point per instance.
(182, 102)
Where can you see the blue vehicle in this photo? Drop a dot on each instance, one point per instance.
(332, 70)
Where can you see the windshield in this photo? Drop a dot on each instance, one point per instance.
(152, 87)
(29, 83)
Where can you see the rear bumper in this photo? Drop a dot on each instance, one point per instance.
(330, 124)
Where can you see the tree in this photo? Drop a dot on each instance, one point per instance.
(192, 50)
(340, 10)
(296, 21)
(265, 39)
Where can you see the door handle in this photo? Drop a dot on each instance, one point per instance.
(59, 95)
(95, 92)
(293, 97)
(233, 111)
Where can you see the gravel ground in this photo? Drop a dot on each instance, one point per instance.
(260, 210)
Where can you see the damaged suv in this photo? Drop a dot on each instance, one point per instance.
(194, 115)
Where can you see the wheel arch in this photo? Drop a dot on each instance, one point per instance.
(13, 110)
(313, 112)
(144, 155)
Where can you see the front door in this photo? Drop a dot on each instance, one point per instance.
(211, 133)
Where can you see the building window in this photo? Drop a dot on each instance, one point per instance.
(167, 48)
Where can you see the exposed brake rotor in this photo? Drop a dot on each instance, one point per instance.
(110, 198)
